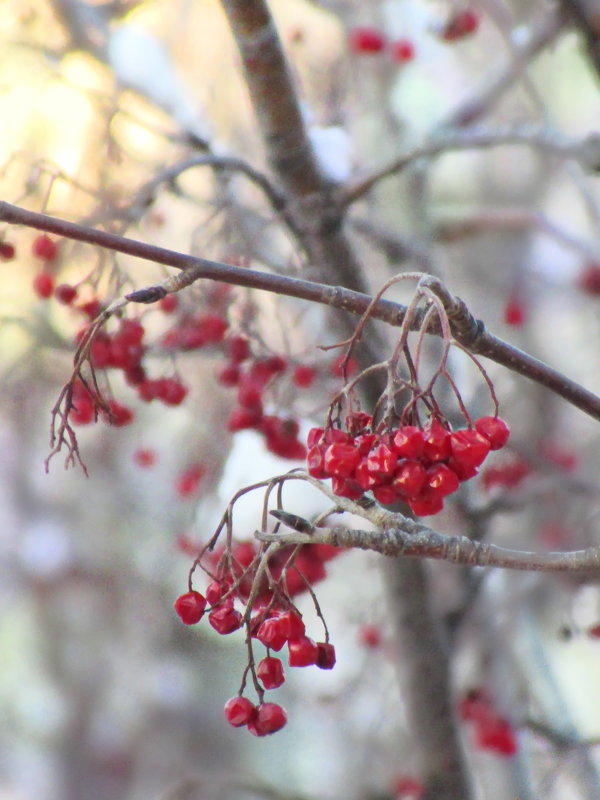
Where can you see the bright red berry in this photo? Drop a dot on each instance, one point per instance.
(190, 607)
(302, 652)
(436, 445)
(496, 733)
(270, 671)
(345, 487)
(427, 503)
(273, 633)
(386, 494)
(442, 479)
(469, 447)
(341, 460)
(171, 391)
(410, 478)
(366, 40)
(294, 626)
(495, 430)
(225, 619)
(44, 247)
(270, 717)
(382, 461)
(514, 312)
(43, 284)
(408, 441)
(239, 711)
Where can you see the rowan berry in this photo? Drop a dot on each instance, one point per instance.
(44, 247)
(302, 652)
(190, 607)
(43, 285)
(366, 40)
(495, 430)
(270, 717)
(239, 711)
(270, 672)
(225, 619)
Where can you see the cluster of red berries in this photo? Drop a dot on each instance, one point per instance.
(420, 466)
(367, 40)
(492, 731)
(274, 622)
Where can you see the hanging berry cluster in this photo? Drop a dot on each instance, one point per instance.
(393, 453)
(252, 586)
(420, 466)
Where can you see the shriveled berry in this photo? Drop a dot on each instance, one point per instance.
(495, 430)
(270, 717)
(239, 711)
(270, 671)
(302, 652)
(190, 607)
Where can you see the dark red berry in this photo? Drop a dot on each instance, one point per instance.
(228, 374)
(7, 251)
(325, 655)
(386, 494)
(238, 348)
(190, 607)
(169, 303)
(44, 247)
(65, 293)
(303, 375)
(589, 279)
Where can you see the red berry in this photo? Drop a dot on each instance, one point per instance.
(65, 293)
(241, 418)
(44, 247)
(270, 671)
(238, 348)
(190, 607)
(188, 481)
(169, 303)
(469, 447)
(437, 446)
(315, 461)
(441, 479)
(294, 626)
(228, 374)
(145, 457)
(495, 430)
(314, 436)
(325, 655)
(43, 284)
(496, 733)
(303, 376)
(341, 460)
(382, 461)
(91, 309)
(302, 652)
(386, 494)
(364, 477)
(118, 414)
(514, 312)
(427, 503)
(402, 50)
(410, 478)
(7, 251)
(405, 787)
(225, 619)
(239, 711)
(270, 717)
(589, 279)
(273, 633)
(408, 441)
(366, 40)
(460, 25)
(369, 635)
(170, 390)
(344, 487)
